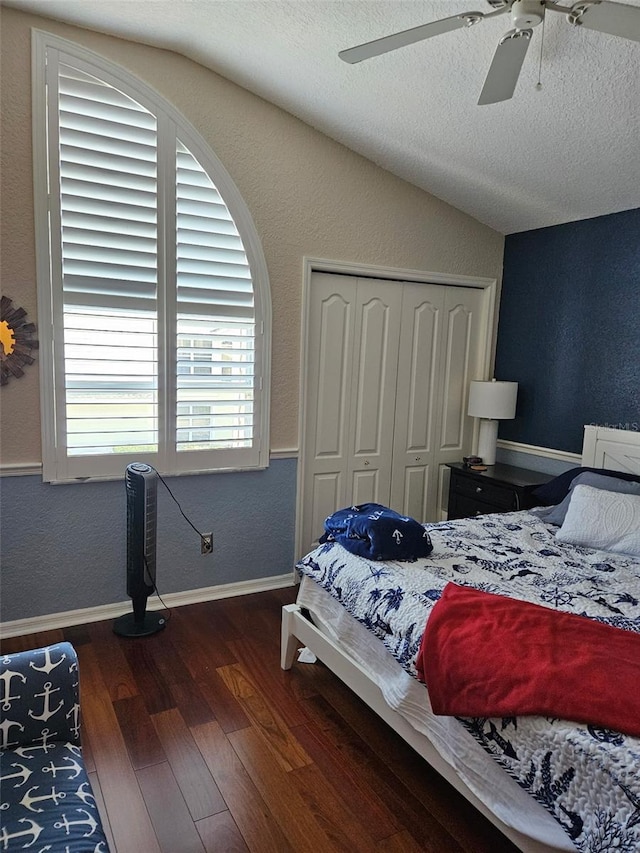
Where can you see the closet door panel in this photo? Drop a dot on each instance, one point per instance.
(331, 415)
(325, 498)
(465, 340)
(453, 414)
(365, 488)
(419, 359)
(416, 492)
(331, 312)
(462, 363)
(377, 328)
(373, 390)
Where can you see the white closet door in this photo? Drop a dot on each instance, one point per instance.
(388, 368)
(464, 341)
(441, 349)
(373, 389)
(414, 483)
(326, 439)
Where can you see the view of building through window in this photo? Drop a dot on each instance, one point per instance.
(215, 387)
(112, 384)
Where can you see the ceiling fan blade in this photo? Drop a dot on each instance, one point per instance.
(505, 68)
(617, 19)
(406, 37)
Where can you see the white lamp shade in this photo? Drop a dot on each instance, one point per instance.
(494, 400)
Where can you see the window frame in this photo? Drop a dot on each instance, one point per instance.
(57, 466)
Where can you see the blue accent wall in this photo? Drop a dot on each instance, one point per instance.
(569, 329)
(64, 546)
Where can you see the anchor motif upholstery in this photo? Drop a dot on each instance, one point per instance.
(46, 801)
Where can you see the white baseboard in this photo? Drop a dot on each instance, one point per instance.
(110, 611)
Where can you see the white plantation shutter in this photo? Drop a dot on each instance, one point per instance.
(108, 218)
(159, 343)
(215, 317)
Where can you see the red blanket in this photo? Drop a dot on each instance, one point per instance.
(485, 655)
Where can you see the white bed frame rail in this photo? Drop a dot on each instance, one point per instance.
(297, 630)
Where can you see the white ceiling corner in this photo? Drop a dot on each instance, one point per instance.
(568, 151)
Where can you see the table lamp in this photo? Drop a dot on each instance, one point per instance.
(491, 401)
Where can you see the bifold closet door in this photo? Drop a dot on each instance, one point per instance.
(387, 375)
(464, 335)
(441, 351)
(374, 378)
(414, 484)
(353, 328)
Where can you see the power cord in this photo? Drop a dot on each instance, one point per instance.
(167, 610)
(162, 480)
(188, 520)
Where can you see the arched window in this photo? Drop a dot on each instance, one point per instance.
(153, 289)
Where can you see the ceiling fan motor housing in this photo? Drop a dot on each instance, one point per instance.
(527, 13)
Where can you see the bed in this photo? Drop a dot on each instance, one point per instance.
(547, 784)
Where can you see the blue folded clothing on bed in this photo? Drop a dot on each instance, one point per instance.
(378, 533)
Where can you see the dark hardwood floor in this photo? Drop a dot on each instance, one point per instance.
(196, 740)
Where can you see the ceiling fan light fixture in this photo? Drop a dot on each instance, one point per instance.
(527, 13)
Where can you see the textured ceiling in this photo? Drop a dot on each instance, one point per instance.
(567, 151)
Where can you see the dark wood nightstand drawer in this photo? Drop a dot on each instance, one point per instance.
(498, 496)
(461, 507)
(501, 488)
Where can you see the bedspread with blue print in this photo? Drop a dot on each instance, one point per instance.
(588, 778)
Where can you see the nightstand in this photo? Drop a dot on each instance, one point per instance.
(501, 488)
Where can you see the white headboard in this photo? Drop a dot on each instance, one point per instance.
(617, 449)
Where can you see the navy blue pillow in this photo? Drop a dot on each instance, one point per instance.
(556, 490)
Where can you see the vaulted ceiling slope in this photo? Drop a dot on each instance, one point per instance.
(565, 151)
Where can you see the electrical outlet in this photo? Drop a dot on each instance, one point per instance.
(206, 543)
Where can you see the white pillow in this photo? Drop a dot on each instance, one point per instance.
(607, 521)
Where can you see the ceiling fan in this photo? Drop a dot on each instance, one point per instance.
(617, 19)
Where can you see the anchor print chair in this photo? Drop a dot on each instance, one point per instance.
(46, 802)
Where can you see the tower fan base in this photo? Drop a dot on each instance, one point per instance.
(126, 626)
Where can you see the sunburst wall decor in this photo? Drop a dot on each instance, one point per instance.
(16, 341)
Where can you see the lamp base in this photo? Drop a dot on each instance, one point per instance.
(487, 441)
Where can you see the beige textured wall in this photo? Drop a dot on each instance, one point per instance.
(308, 195)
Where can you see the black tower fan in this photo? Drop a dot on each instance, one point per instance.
(141, 483)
